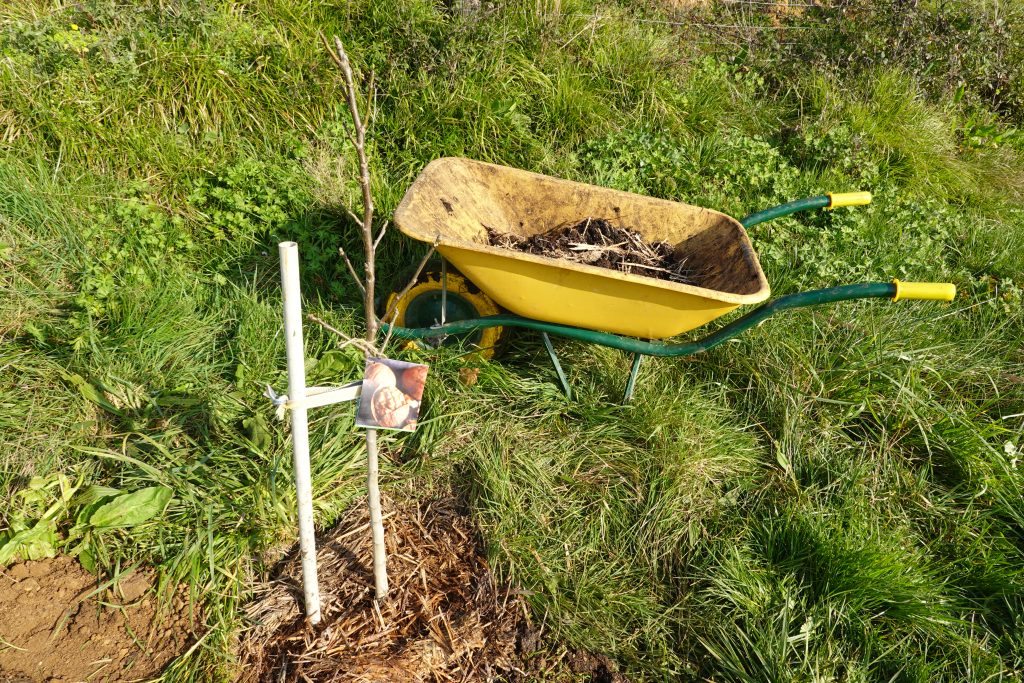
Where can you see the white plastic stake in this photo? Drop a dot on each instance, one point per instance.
(289, 252)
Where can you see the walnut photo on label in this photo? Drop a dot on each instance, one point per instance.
(391, 395)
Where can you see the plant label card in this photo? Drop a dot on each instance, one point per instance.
(391, 395)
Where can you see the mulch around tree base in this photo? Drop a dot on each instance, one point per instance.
(446, 619)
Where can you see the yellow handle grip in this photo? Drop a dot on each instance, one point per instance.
(848, 199)
(931, 291)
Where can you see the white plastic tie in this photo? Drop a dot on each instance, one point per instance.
(315, 397)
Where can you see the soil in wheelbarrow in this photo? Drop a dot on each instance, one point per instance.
(445, 619)
(597, 242)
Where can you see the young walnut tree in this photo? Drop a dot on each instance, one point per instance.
(366, 285)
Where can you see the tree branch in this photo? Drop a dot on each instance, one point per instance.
(352, 271)
(380, 235)
(401, 295)
(364, 184)
(330, 50)
(355, 219)
(360, 344)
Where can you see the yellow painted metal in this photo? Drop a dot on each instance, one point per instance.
(929, 291)
(848, 199)
(457, 285)
(454, 201)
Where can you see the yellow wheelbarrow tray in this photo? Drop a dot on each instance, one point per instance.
(454, 201)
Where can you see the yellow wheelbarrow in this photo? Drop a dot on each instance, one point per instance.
(454, 202)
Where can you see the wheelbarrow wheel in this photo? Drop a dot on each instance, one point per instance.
(421, 307)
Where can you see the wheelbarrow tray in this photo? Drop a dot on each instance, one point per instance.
(454, 201)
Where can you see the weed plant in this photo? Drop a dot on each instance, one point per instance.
(836, 495)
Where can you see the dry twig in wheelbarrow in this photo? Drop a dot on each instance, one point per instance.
(596, 242)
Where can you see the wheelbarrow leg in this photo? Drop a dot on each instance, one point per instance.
(631, 382)
(558, 366)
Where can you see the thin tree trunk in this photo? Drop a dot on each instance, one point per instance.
(380, 569)
(358, 138)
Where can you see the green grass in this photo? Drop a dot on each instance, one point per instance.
(836, 495)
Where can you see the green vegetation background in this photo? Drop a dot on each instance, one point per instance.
(834, 496)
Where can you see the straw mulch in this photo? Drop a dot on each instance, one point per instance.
(445, 619)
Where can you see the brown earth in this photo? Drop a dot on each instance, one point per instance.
(55, 630)
(446, 619)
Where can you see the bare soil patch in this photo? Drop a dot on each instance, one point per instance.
(55, 629)
(597, 242)
(445, 620)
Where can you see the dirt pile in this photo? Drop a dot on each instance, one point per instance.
(445, 620)
(55, 629)
(596, 242)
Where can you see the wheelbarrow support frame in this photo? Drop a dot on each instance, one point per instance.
(895, 290)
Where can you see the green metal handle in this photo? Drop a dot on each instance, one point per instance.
(865, 290)
(822, 201)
